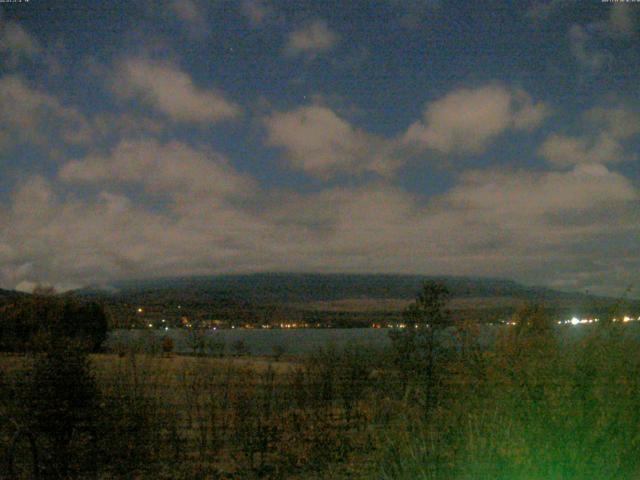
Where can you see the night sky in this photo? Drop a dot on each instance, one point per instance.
(177, 137)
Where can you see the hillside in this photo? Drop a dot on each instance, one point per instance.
(296, 288)
(327, 299)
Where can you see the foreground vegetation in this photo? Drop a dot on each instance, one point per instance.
(534, 405)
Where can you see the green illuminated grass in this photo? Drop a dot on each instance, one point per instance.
(535, 409)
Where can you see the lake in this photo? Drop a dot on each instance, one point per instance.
(261, 341)
(305, 340)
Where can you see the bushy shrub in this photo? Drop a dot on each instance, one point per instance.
(536, 404)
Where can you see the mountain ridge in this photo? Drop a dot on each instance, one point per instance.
(300, 287)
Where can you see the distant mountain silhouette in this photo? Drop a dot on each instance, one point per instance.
(303, 287)
(335, 299)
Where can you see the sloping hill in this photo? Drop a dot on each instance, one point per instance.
(297, 288)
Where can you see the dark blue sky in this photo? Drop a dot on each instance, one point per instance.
(185, 136)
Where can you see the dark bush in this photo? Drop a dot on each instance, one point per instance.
(32, 323)
(167, 345)
(60, 408)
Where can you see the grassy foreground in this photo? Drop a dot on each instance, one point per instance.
(535, 405)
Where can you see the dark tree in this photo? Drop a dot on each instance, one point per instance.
(533, 319)
(167, 345)
(85, 321)
(429, 308)
(60, 403)
(35, 322)
(415, 345)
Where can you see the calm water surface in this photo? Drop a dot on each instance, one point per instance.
(300, 341)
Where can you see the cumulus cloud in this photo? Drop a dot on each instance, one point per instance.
(171, 168)
(28, 115)
(520, 196)
(537, 219)
(533, 225)
(604, 146)
(16, 43)
(586, 55)
(32, 116)
(76, 234)
(586, 40)
(556, 225)
(321, 143)
(311, 40)
(467, 120)
(171, 91)
(621, 122)
(563, 150)
(55, 237)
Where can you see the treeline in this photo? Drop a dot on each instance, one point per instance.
(51, 409)
(32, 323)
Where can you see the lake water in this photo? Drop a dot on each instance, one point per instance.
(261, 341)
(300, 341)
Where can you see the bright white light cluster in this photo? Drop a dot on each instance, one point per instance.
(578, 321)
(581, 321)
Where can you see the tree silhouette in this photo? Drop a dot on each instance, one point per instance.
(60, 401)
(414, 345)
